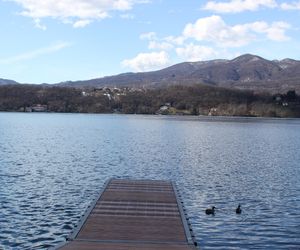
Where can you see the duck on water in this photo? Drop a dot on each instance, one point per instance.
(210, 210)
(238, 209)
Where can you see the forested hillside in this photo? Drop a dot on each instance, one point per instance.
(185, 100)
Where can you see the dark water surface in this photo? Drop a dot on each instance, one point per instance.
(53, 165)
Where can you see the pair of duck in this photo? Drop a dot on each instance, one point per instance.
(211, 210)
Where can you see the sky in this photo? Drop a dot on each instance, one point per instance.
(50, 41)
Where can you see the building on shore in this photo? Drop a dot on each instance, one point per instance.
(37, 108)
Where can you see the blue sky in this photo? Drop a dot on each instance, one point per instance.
(58, 40)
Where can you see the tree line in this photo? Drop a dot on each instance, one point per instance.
(190, 100)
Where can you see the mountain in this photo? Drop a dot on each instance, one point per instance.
(244, 72)
(7, 82)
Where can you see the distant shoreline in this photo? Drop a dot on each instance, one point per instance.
(171, 116)
(196, 100)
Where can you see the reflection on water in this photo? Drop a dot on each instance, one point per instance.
(53, 165)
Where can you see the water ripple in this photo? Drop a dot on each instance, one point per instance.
(53, 165)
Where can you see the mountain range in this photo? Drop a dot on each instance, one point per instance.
(7, 82)
(244, 72)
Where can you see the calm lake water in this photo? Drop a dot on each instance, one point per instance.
(53, 165)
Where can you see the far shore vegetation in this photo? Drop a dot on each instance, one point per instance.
(178, 100)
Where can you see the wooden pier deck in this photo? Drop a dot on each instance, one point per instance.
(132, 215)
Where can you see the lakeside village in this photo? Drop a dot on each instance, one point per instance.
(114, 94)
(110, 93)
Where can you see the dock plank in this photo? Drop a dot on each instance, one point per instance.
(133, 214)
(123, 246)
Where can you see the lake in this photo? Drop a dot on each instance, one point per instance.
(53, 165)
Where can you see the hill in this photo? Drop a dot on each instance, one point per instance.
(244, 72)
(7, 82)
(176, 100)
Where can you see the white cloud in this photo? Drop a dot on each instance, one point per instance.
(277, 31)
(155, 42)
(160, 45)
(148, 36)
(207, 38)
(214, 29)
(194, 53)
(38, 24)
(235, 6)
(127, 16)
(76, 10)
(81, 23)
(274, 31)
(147, 61)
(290, 6)
(35, 53)
(179, 40)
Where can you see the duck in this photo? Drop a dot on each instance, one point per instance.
(210, 210)
(238, 209)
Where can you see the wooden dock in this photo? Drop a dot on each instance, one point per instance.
(132, 215)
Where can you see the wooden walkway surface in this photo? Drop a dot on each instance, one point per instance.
(132, 215)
